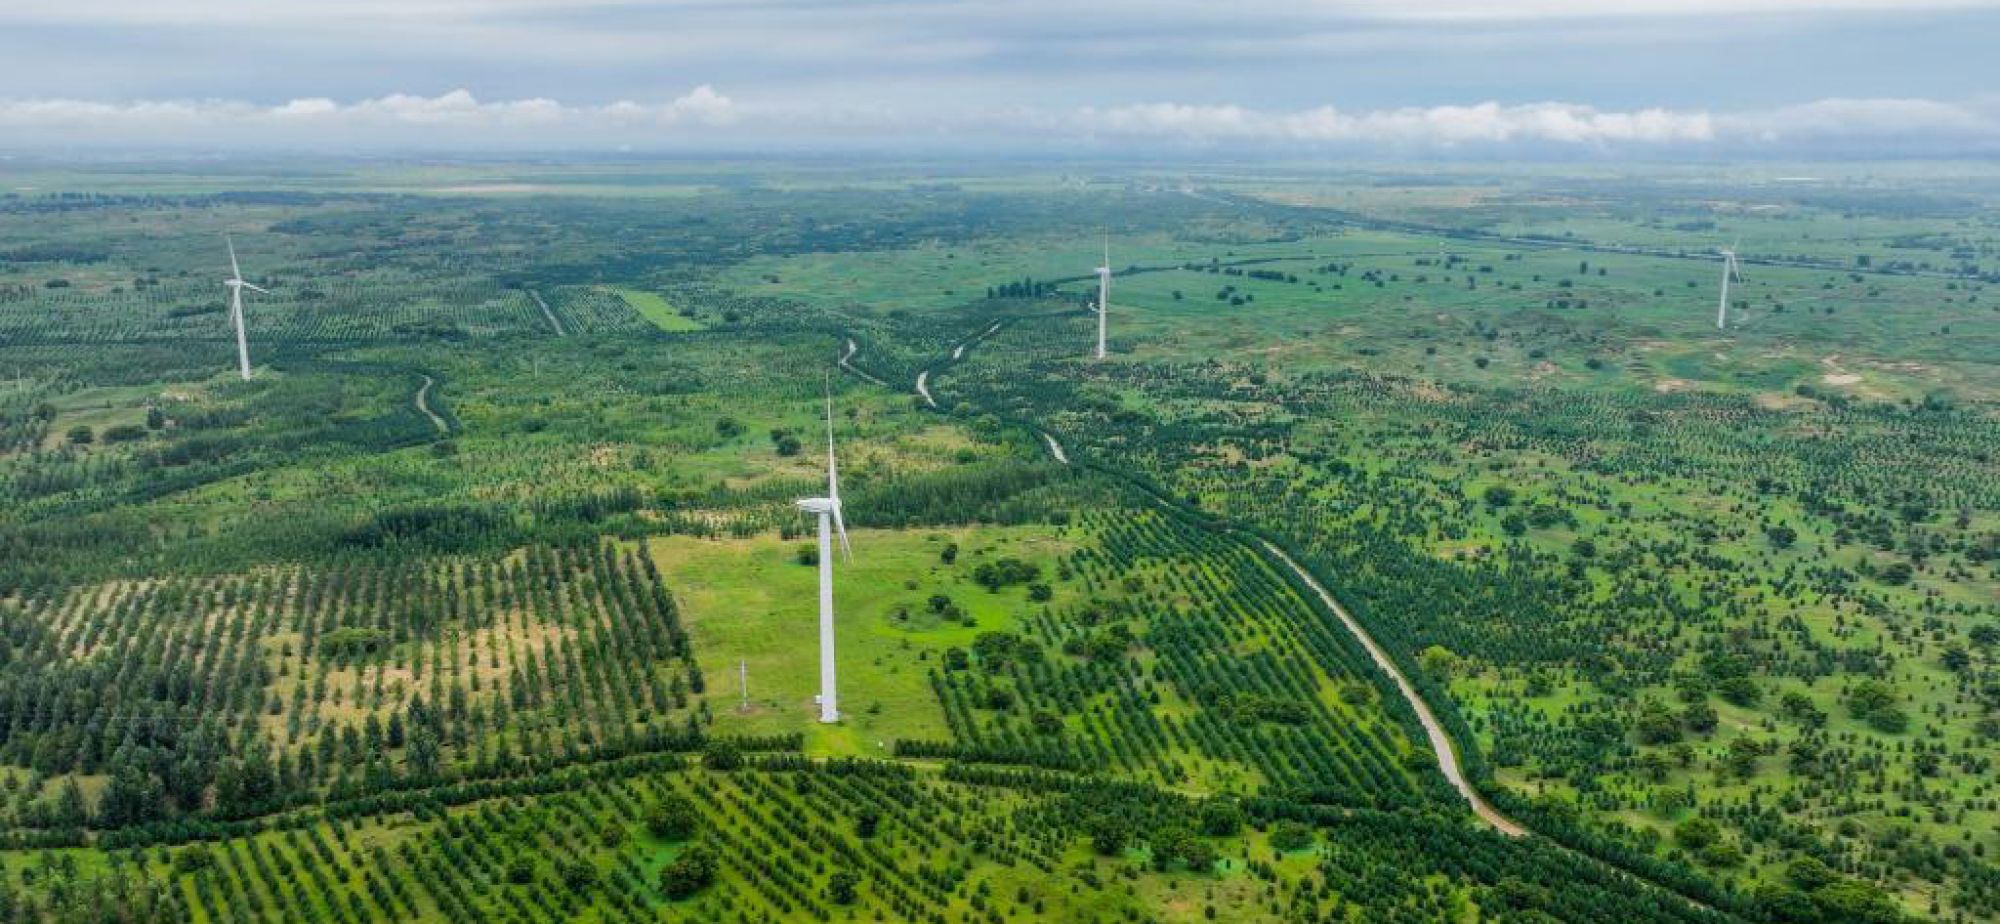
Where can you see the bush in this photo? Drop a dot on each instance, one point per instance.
(1696, 833)
(1291, 835)
(689, 873)
(673, 819)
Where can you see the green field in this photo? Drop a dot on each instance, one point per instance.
(654, 308)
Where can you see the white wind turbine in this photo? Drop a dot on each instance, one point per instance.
(1730, 269)
(1103, 295)
(236, 286)
(830, 520)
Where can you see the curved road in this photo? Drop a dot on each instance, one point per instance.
(1447, 755)
(423, 404)
(1440, 742)
(853, 348)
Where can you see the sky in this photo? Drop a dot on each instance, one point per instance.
(1503, 78)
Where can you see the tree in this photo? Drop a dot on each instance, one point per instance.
(1221, 818)
(842, 887)
(1437, 661)
(673, 818)
(81, 435)
(132, 798)
(1291, 835)
(690, 872)
(1696, 833)
(1658, 725)
(1743, 755)
(1740, 691)
(577, 875)
(721, 755)
(1108, 835)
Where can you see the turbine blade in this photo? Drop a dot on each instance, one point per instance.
(832, 472)
(840, 529)
(257, 288)
(233, 271)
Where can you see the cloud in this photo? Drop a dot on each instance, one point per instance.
(1839, 120)
(1482, 123)
(704, 117)
(398, 118)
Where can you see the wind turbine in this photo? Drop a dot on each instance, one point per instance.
(1730, 268)
(1103, 295)
(236, 286)
(830, 520)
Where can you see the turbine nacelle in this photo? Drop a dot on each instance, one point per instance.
(818, 505)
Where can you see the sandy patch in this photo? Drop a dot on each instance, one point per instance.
(1840, 378)
(1780, 401)
(1672, 386)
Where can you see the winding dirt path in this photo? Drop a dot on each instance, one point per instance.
(853, 348)
(424, 405)
(1440, 742)
(923, 387)
(1055, 448)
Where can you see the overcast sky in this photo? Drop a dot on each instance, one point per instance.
(1780, 78)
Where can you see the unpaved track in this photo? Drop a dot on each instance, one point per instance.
(1447, 756)
(424, 405)
(1055, 448)
(547, 313)
(853, 348)
(1440, 742)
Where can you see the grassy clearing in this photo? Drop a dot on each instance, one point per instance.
(655, 308)
(750, 601)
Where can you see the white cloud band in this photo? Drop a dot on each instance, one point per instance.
(703, 116)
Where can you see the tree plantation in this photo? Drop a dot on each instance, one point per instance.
(1420, 552)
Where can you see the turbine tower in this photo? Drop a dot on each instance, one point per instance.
(236, 286)
(1730, 268)
(1103, 295)
(830, 521)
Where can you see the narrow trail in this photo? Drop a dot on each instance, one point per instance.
(1440, 741)
(1055, 448)
(1447, 757)
(548, 314)
(424, 405)
(853, 348)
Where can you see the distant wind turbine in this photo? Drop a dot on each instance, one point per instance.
(830, 520)
(1103, 295)
(236, 286)
(1730, 269)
